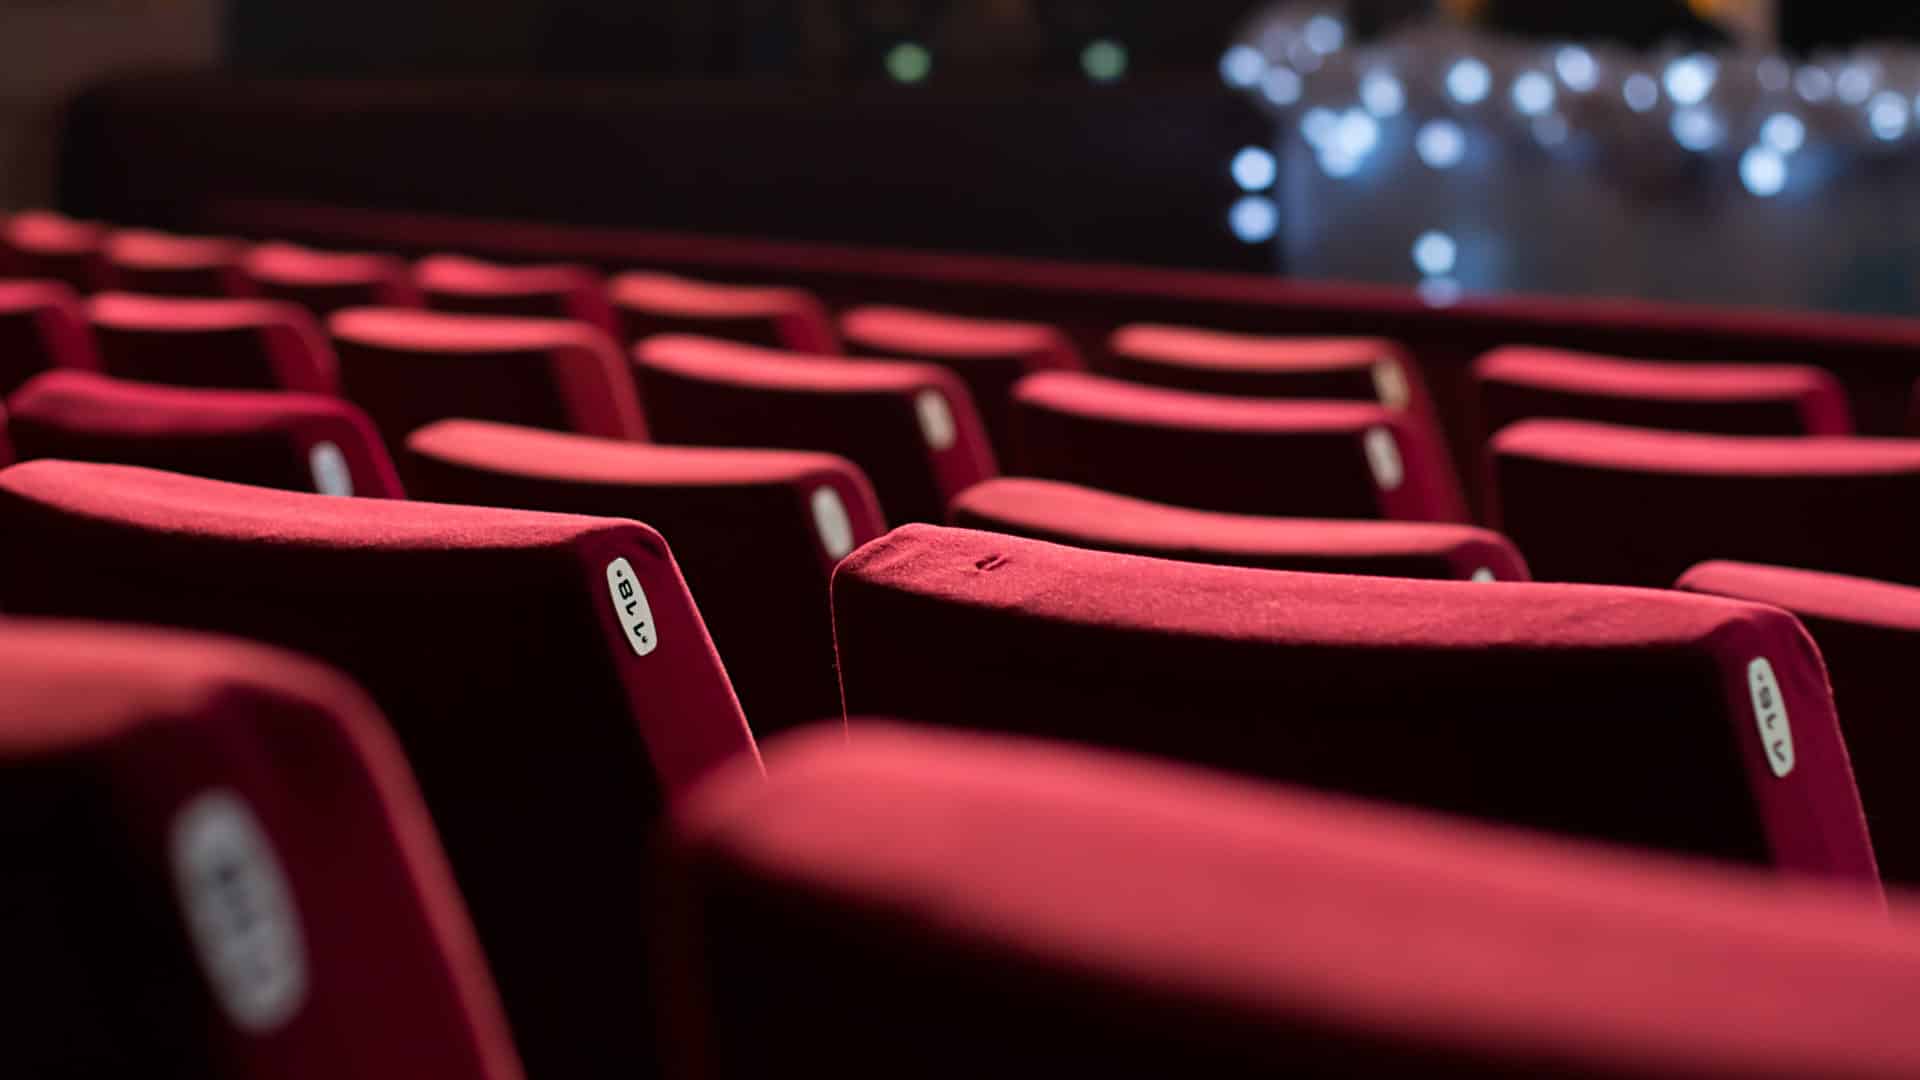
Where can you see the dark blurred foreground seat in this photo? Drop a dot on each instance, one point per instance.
(217, 865)
(1633, 506)
(1211, 452)
(1656, 718)
(1869, 634)
(547, 675)
(1089, 518)
(299, 442)
(910, 427)
(219, 344)
(757, 533)
(976, 901)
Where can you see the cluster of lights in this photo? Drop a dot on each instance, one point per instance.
(1444, 90)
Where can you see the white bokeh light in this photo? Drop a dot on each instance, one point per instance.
(1773, 74)
(1281, 85)
(1696, 128)
(1318, 124)
(1640, 91)
(1532, 93)
(1576, 67)
(1784, 132)
(1763, 170)
(1813, 83)
(1242, 66)
(1254, 219)
(1887, 115)
(1550, 130)
(1469, 81)
(1853, 84)
(1434, 252)
(1382, 94)
(1690, 78)
(1440, 143)
(1325, 34)
(1254, 168)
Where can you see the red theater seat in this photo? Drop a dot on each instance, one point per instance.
(1088, 518)
(410, 368)
(219, 344)
(1339, 459)
(757, 532)
(963, 903)
(218, 865)
(1628, 715)
(1868, 632)
(300, 442)
(772, 316)
(1263, 365)
(53, 247)
(1524, 383)
(989, 355)
(1630, 506)
(323, 282)
(471, 287)
(42, 327)
(910, 427)
(163, 264)
(547, 674)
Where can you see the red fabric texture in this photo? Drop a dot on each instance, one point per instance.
(113, 737)
(775, 317)
(470, 286)
(217, 344)
(1088, 518)
(410, 368)
(742, 523)
(246, 436)
(163, 264)
(1622, 714)
(989, 355)
(42, 244)
(544, 743)
(323, 282)
(1525, 383)
(42, 327)
(716, 393)
(1212, 452)
(1868, 633)
(1633, 506)
(976, 901)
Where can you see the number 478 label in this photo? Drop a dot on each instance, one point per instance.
(630, 607)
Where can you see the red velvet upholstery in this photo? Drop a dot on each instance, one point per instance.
(1632, 506)
(989, 355)
(757, 533)
(1621, 714)
(545, 741)
(1089, 518)
(1211, 452)
(410, 368)
(323, 282)
(154, 782)
(1524, 383)
(219, 344)
(42, 327)
(300, 442)
(921, 904)
(53, 247)
(163, 264)
(772, 316)
(910, 427)
(1269, 365)
(1868, 632)
(469, 286)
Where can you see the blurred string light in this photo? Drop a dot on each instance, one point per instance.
(1281, 85)
(1783, 132)
(1853, 84)
(1318, 124)
(1550, 130)
(1242, 66)
(1640, 92)
(1887, 115)
(1324, 34)
(909, 62)
(1689, 78)
(1104, 60)
(1813, 84)
(1352, 137)
(1254, 219)
(1440, 143)
(1434, 253)
(1577, 68)
(1254, 168)
(1382, 94)
(1773, 74)
(1469, 80)
(1532, 93)
(1763, 171)
(1695, 128)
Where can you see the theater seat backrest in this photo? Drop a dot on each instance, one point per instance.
(1656, 718)
(1270, 365)
(323, 282)
(1088, 518)
(774, 317)
(218, 865)
(299, 442)
(1212, 452)
(548, 676)
(1634, 506)
(164, 264)
(217, 344)
(757, 533)
(910, 427)
(410, 368)
(976, 902)
(468, 286)
(42, 327)
(42, 244)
